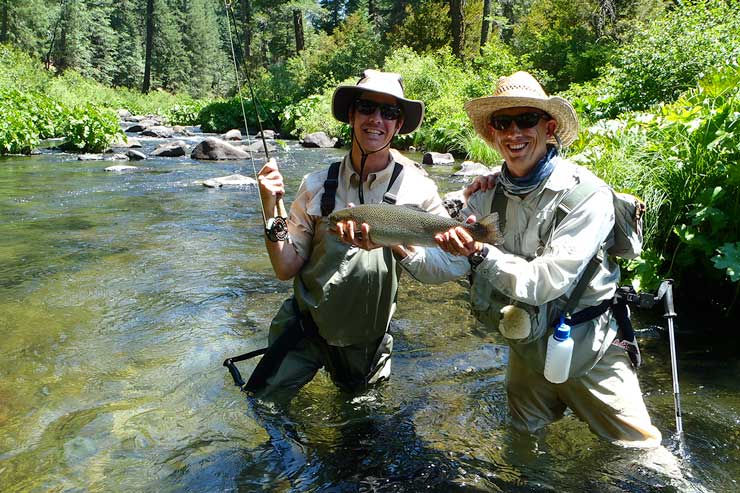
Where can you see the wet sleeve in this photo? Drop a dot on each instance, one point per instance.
(574, 242)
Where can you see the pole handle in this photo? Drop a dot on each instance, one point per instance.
(670, 311)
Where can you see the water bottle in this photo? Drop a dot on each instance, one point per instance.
(559, 353)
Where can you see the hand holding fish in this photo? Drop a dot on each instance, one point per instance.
(458, 240)
(355, 234)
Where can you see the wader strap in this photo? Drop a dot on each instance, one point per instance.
(328, 199)
(626, 337)
(302, 327)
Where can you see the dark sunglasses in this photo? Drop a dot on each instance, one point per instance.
(523, 120)
(387, 111)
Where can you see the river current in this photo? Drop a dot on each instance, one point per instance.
(122, 293)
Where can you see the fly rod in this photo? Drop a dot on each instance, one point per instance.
(276, 227)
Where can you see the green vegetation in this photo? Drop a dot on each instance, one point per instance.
(653, 81)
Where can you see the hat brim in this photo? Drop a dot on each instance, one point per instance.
(479, 111)
(344, 96)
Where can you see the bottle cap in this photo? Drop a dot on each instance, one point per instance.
(562, 330)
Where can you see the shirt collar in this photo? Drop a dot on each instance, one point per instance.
(350, 178)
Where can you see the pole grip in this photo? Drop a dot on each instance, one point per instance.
(668, 300)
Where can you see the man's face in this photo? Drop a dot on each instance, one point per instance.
(521, 148)
(373, 130)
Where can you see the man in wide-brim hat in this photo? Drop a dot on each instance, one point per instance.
(344, 285)
(522, 287)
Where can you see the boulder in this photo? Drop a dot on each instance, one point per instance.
(171, 149)
(123, 114)
(179, 129)
(230, 180)
(438, 158)
(233, 134)
(269, 134)
(159, 131)
(135, 155)
(318, 139)
(214, 149)
(472, 168)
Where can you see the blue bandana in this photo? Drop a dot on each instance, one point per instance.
(525, 184)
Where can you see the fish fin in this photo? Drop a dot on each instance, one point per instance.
(414, 207)
(493, 233)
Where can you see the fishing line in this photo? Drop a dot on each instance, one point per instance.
(276, 227)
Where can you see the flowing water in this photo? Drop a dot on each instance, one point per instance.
(122, 294)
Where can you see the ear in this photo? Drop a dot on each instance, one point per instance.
(399, 124)
(552, 125)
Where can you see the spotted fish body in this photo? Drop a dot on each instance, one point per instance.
(408, 225)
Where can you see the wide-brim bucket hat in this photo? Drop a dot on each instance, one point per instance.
(522, 90)
(375, 81)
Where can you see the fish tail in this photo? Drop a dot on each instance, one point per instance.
(492, 233)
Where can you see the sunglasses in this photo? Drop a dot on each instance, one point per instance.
(387, 111)
(523, 120)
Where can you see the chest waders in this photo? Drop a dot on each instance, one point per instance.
(303, 326)
(626, 336)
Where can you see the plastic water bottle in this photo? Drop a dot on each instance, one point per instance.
(559, 353)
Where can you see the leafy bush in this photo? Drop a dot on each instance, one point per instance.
(88, 129)
(18, 135)
(682, 159)
(665, 59)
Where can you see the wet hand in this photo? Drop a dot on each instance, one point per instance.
(482, 183)
(458, 241)
(355, 234)
(271, 185)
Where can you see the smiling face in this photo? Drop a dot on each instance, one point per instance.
(373, 132)
(522, 148)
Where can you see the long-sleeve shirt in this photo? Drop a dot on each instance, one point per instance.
(539, 265)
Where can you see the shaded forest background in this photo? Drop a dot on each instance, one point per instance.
(656, 85)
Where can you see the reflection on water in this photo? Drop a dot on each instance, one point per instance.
(121, 294)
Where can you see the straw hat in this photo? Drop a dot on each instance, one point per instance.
(380, 83)
(522, 90)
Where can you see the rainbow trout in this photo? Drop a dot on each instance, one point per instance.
(409, 225)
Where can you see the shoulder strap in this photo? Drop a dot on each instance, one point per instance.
(390, 198)
(498, 204)
(328, 199)
(574, 197)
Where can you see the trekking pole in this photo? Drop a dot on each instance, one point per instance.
(670, 314)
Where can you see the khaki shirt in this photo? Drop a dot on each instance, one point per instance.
(350, 292)
(539, 265)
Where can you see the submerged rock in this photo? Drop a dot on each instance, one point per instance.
(230, 180)
(120, 168)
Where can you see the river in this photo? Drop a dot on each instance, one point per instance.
(122, 293)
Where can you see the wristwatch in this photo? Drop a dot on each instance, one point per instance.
(476, 258)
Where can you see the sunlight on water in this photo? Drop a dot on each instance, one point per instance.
(121, 295)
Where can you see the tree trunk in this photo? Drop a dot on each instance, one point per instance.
(4, 22)
(247, 27)
(298, 26)
(486, 25)
(457, 9)
(149, 45)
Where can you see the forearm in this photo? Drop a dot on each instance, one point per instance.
(284, 259)
(433, 265)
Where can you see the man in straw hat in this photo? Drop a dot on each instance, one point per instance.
(521, 287)
(335, 331)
